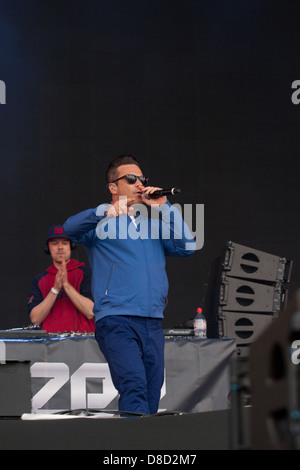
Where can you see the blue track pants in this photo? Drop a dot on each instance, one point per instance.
(134, 350)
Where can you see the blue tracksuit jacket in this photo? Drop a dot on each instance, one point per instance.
(128, 263)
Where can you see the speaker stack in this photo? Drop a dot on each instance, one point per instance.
(246, 291)
(275, 383)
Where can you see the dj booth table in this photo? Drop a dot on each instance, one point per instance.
(68, 372)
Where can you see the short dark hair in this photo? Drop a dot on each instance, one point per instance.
(112, 170)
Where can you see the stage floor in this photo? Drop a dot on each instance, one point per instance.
(188, 432)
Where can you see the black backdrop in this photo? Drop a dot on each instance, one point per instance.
(198, 90)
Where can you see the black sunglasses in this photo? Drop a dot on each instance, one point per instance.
(131, 179)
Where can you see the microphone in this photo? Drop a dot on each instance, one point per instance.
(163, 192)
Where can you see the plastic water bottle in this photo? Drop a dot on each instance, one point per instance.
(200, 324)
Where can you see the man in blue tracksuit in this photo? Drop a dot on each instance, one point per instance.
(126, 251)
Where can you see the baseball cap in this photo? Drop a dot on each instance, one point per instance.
(56, 231)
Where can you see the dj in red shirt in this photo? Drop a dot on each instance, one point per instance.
(60, 298)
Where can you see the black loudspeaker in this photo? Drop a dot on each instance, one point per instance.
(247, 263)
(275, 383)
(246, 291)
